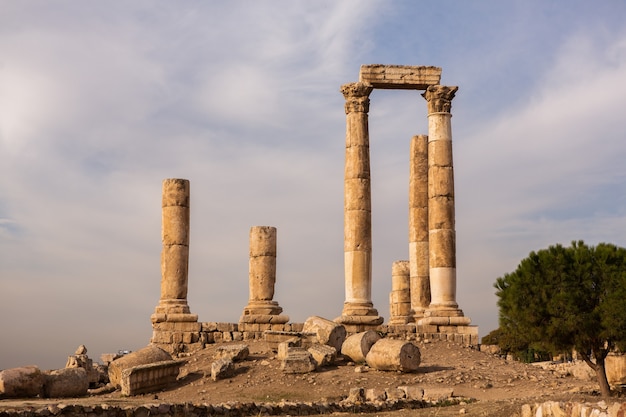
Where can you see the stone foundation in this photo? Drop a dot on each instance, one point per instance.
(189, 340)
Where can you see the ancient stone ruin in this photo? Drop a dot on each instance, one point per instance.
(432, 235)
(423, 297)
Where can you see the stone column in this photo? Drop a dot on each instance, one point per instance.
(358, 309)
(400, 295)
(175, 253)
(418, 226)
(441, 216)
(261, 307)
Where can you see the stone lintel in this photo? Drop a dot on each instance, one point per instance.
(403, 77)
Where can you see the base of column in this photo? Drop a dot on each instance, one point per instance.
(263, 308)
(173, 311)
(418, 314)
(359, 317)
(399, 320)
(263, 319)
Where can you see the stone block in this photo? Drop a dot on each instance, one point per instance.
(218, 337)
(235, 353)
(400, 76)
(147, 355)
(323, 355)
(375, 395)
(149, 377)
(237, 336)
(23, 382)
(222, 368)
(297, 327)
(65, 383)
(357, 346)
(328, 332)
(412, 392)
(395, 394)
(227, 337)
(356, 395)
(437, 394)
(227, 327)
(297, 361)
(394, 355)
(209, 326)
(187, 326)
(283, 347)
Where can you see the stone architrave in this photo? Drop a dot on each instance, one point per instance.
(418, 226)
(441, 212)
(173, 305)
(358, 308)
(400, 295)
(261, 306)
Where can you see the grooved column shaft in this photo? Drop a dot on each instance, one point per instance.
(262, 271)
(442, 234)
(175, 239)
(418, 226)
(357, 202)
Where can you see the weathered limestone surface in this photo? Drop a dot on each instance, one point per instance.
(147, 355)
(323, 355)
(222, 368)
(394, 355)
(25, 381)
(441, 217)
(357, 346)
(297, 361)
(399, 76)
(358, 306)
(234, 352)
(418, 226)
(400, 295)
(261, 306)
(150, 377)
(65, 383)
(175, 253)
(328, 332)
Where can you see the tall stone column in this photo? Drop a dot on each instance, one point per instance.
(418, 226)
(358, 309)
(441, 213)
(261, 306)
(174, 328)
(175, 253)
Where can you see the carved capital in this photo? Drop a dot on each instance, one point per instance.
(439, 98)
(357, 97)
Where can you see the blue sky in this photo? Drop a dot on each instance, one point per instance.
(101, 101)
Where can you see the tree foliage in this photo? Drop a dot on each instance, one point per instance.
(568, 298)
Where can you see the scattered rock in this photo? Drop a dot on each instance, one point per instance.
(323, 355)
(236, 353)
(328, 332)
(66, 383)
(297, 361)
(222, 368)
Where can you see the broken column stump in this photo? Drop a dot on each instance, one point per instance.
(394, 355)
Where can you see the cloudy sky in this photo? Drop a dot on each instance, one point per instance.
(101, 101)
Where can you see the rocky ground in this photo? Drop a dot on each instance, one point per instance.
(487, 384)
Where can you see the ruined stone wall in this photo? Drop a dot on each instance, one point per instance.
(218, 332)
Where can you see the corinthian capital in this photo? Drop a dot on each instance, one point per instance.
(357, 97)
(439, 98)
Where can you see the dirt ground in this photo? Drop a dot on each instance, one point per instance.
(492, 385)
